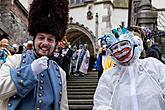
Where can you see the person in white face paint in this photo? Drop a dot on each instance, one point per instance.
(133, 84)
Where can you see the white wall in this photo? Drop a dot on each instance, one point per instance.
(101, 12)
(158, 3)
(118, 16)
(79, 15)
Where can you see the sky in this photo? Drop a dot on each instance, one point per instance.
(156, 3)
(25, 3)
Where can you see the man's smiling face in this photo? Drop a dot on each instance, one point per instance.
(44, 44)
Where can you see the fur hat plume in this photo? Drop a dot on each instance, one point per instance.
(48, 16)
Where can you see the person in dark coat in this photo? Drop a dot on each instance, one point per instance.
(64, 58)
(20, 49)
(153, 50)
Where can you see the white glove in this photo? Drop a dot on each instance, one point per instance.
(39, 65)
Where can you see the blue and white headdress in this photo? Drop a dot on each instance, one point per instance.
(116, 36)
(121, 34)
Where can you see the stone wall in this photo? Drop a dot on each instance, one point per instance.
(13, 18)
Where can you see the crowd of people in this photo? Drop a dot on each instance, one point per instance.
(6, 49)
(73, 61)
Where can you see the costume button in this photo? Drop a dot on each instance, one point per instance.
(59, 76)
(21, 82)
(42, 75)
(60, 93)
(41, 81)
(40, 94)
(57, 69)
(38, 108)
(18, 73)
(9, 104)
(14, 96)
(41, 88)
(40, 101)
(24, 55)
(60, 83)
(23, 61)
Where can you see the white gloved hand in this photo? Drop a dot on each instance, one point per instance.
(39, 65)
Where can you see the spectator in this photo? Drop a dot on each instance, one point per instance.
(83, 61)
(29, 47)
(66, 55)
(74, 60)
(14, 49)
(153, 49)
(4, 52)
(20, 49)
(100, 61)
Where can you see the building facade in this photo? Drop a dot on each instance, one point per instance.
(13, 21)
(89, 19)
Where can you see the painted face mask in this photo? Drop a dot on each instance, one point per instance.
(123, 45)
(122, 51)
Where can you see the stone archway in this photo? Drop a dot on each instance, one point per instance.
(78, 34)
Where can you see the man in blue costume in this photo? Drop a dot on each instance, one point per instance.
(34, 81)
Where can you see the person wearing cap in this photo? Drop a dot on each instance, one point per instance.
(133, 84)
(34, 81)
(4, 52)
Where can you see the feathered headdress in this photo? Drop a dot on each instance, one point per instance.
(118, 35)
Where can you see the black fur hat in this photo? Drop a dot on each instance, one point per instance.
(48, 16)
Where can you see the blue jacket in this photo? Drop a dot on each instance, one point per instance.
(29, 87)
